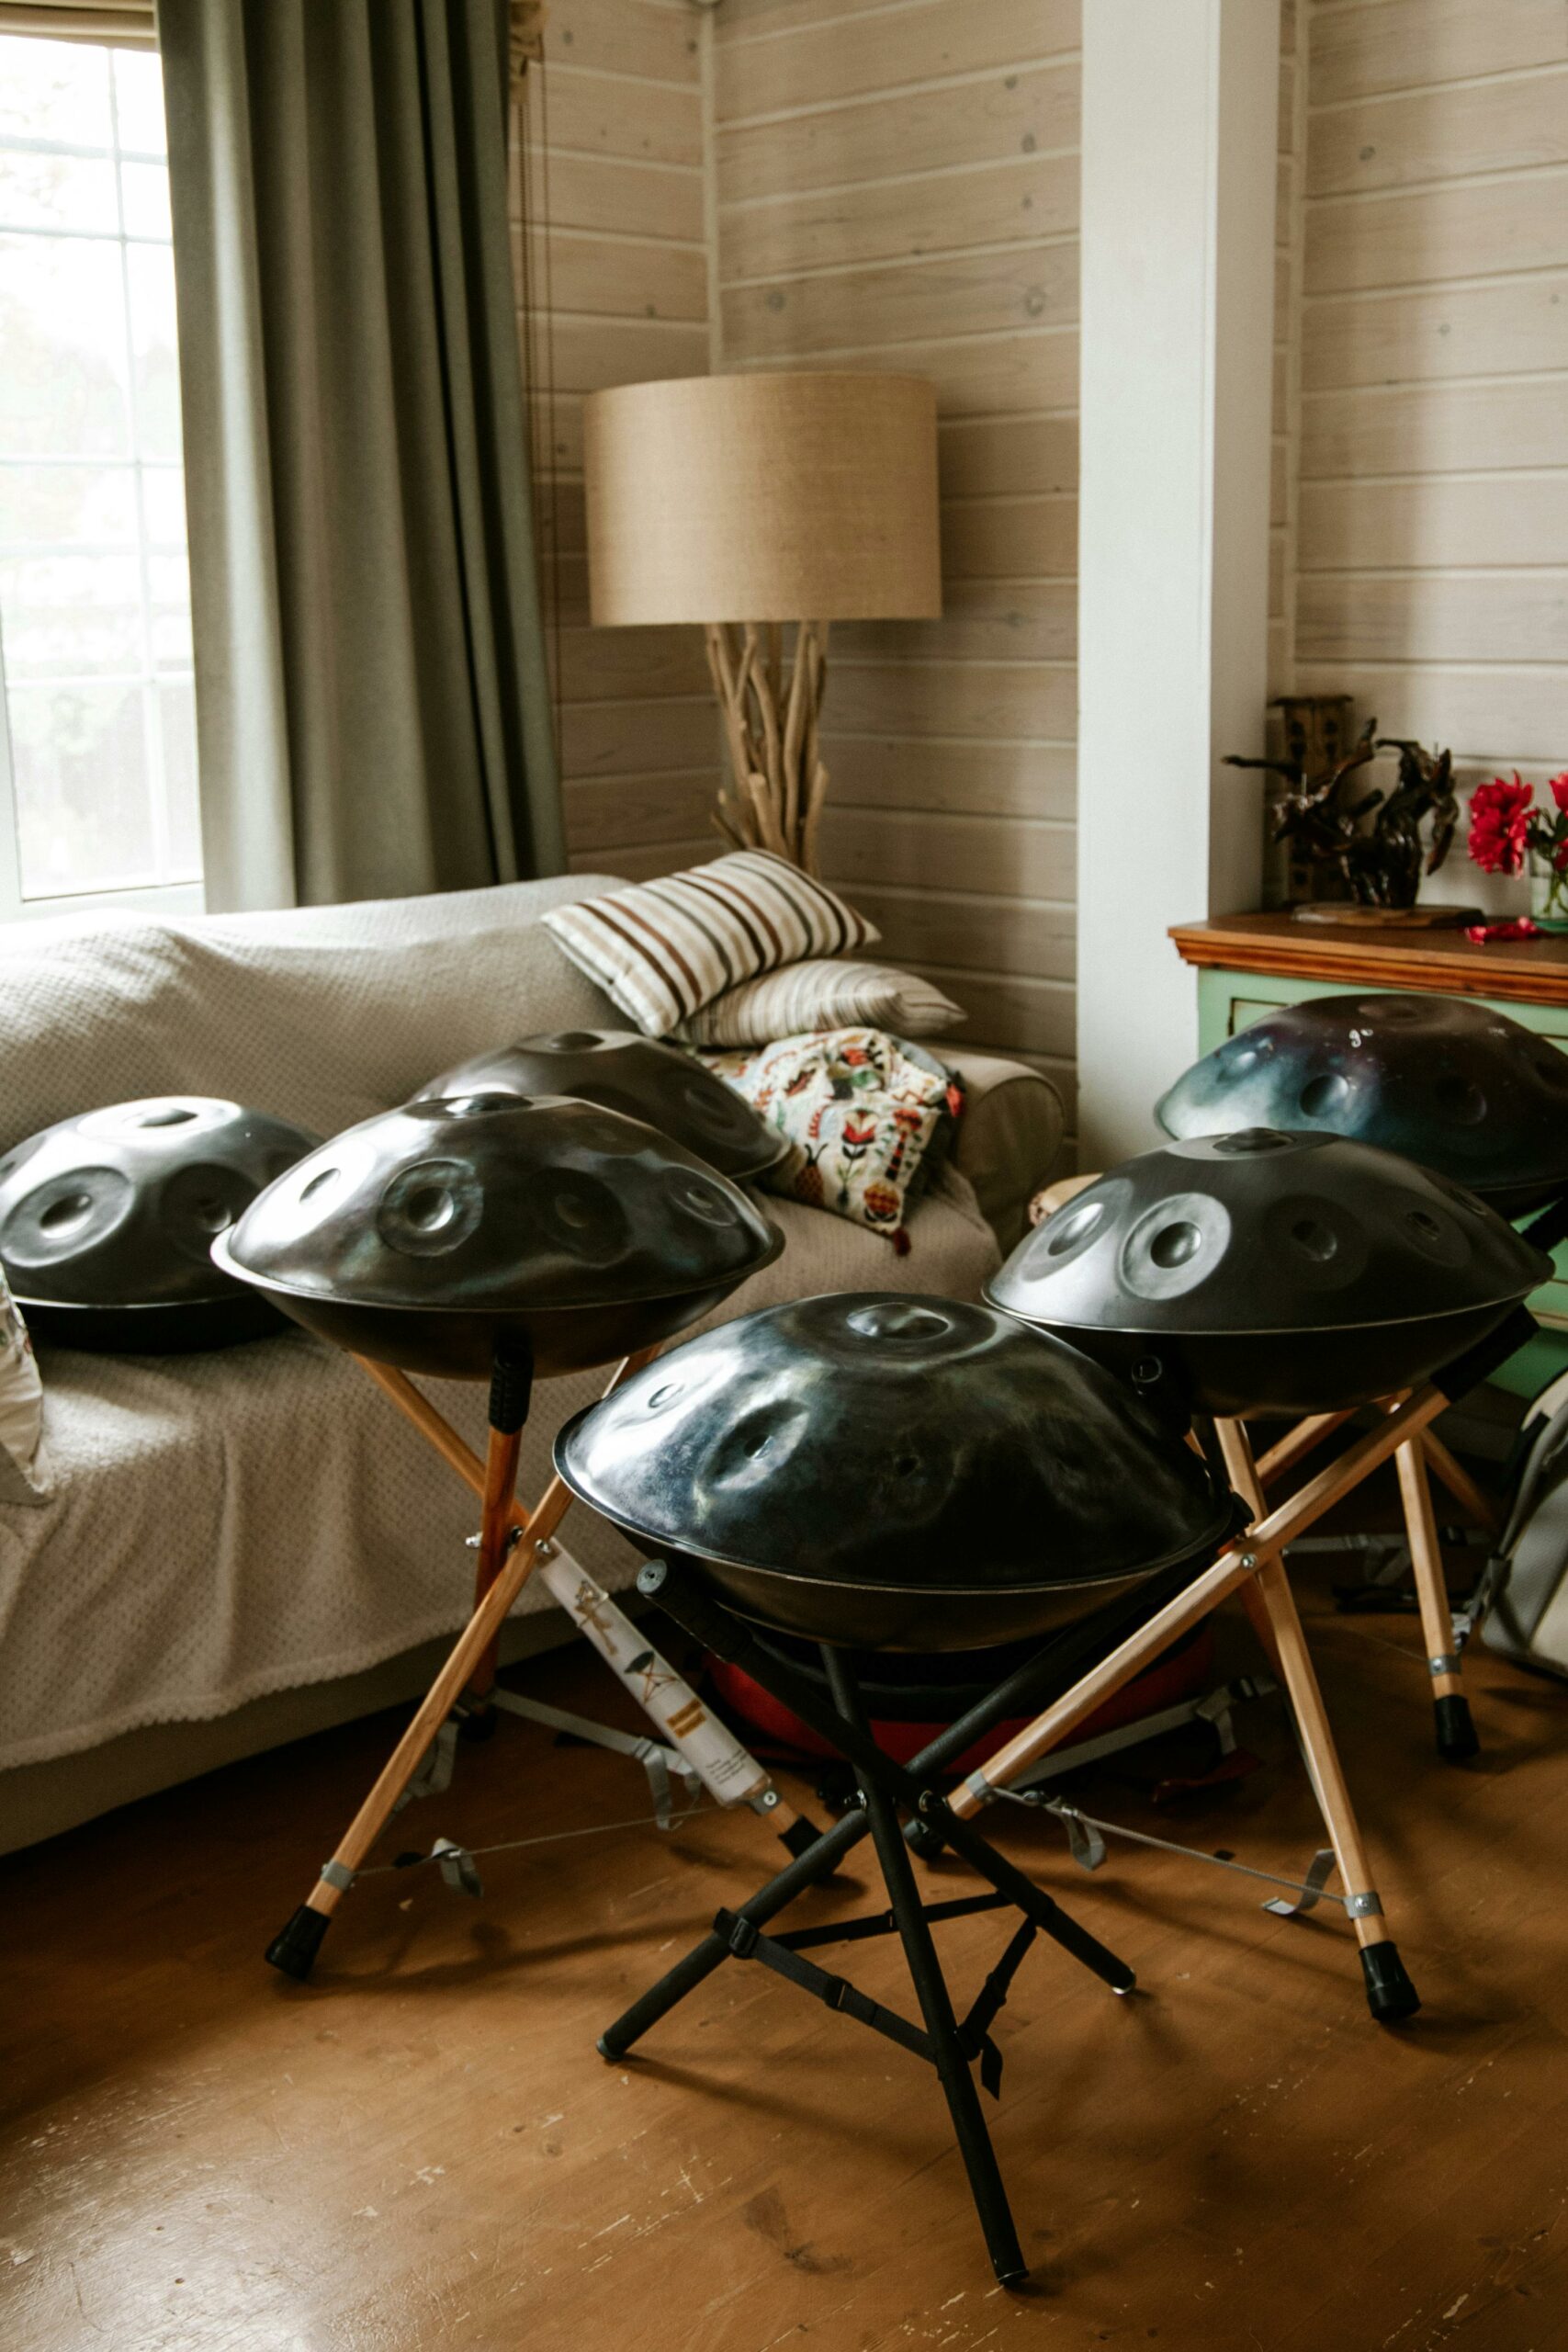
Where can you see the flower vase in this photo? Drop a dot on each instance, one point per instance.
(1549, 893)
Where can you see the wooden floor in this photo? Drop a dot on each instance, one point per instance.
(422, 2150)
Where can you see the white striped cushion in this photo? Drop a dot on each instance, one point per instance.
(663, 949)
(823, 993)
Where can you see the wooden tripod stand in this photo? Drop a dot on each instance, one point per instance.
(1251, 1565)
(510, 1541)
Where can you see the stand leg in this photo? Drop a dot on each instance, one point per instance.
(688, 1973)
(510, 1386)
(1297, 1443)
(1389, 1993)
(1455, 1730)
(1246, 1476)
(293, 1950)
(936, 2005)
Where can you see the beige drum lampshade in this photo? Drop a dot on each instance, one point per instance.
(768, 497)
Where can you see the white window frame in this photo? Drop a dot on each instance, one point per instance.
(150, 897)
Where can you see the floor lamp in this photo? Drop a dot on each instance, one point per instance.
(749, 504)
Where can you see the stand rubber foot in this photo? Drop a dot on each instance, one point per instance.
(294, 1947)
(1390, 1993)
(799, 1837)
(923, 1840)
(1456, 1741)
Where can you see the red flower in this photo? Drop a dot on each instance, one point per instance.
(860, 1130)
(1558, 787)
(882, 1203)
(1500, 818)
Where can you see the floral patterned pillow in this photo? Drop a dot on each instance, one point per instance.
(861, 1112)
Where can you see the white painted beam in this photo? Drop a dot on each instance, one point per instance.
(1179, 139)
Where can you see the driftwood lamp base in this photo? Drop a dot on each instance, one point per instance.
(772, 797)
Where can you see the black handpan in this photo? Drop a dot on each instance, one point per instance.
(1439, 1078)
(895, 1472)
(1260, 1269)
(107, 1222)
(428, 1236)
(641, 1076)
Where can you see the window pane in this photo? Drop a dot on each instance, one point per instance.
(168, 586)
(98, 710)
(177, 708)
(53, 506)
(139, 101)
(155, 349)
(55, 89)
(164, 503)
(146, 187)
(69, 614)
(64, 385)
(83, 815)
(58, 192)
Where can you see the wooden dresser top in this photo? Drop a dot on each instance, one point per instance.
(1528, 971)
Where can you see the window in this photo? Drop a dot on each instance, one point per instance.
(97, 707)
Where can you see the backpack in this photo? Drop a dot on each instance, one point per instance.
(1523, 1595)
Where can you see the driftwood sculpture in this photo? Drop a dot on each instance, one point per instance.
(772, 797)
(1322, 816)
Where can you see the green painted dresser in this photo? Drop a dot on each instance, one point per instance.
(1247, 965)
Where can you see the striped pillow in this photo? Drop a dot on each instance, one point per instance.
(664, 949)
(823, 993)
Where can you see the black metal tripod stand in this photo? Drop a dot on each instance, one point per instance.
(949, 2044)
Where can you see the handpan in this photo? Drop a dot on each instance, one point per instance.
(107, 1222)
(429, 1235)
(1260, 1269)
(1441, 1079)
(896, 1472)
(641, 1076)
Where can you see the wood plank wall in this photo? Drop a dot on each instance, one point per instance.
(896, 186)
(1428, 544)
(615, 287)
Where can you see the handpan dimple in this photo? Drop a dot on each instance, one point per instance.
(1321, 1096)
(63, 1215)
(429, 1209)
(697, 1198)
(200, 1201)
(900, 1320)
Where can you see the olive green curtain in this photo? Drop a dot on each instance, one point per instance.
(372, 698)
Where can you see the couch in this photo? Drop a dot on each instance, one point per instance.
(232, 1549)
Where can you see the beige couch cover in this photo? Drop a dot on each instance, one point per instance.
(217, 1529)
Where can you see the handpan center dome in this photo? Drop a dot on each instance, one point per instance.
(641, 1076)
(1443, 1080)
(879, 1468)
